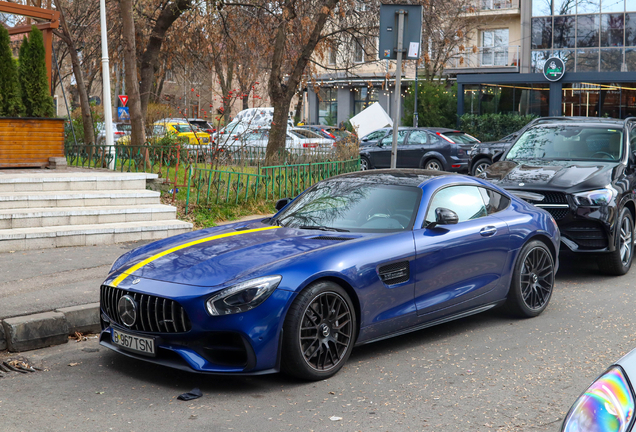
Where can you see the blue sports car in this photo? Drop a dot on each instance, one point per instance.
(354, 259)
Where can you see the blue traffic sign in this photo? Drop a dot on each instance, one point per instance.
(123, 113)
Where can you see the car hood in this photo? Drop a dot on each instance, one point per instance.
(212, 257)
(568, 176)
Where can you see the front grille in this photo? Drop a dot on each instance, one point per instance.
(393, 274)
(154, 314)
(557, 213)
(586, 234)
(550, 197)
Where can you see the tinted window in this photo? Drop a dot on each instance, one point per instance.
(354, 206)
(466, 201)
(417, 137)
(495, 202)
(568, 143)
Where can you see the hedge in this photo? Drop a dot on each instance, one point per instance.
(493, 127)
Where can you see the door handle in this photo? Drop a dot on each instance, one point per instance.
(488, 231)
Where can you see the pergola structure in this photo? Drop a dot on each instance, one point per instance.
(50, 21)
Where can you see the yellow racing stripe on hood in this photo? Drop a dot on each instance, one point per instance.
(141, 264)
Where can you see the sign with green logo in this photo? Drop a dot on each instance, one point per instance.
(553, 69)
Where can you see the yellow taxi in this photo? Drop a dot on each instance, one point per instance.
(182, 129)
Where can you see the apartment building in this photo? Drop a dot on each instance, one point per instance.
(504, 71)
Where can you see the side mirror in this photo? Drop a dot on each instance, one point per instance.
(444, 216)
(282, 203)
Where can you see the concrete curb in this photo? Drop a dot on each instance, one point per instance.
(45, 329)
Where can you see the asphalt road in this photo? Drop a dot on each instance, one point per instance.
(484, 373)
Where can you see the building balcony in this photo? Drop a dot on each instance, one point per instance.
(493, 7)
(485, 60)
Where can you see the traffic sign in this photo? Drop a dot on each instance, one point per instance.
(123, 99)
(123, 114)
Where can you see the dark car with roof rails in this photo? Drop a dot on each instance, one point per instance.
(483, 154)
(583, 172)
(437, 149)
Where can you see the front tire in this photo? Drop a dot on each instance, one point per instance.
(319, 332)
(618, 263)
(532, 280)
(365, 164)
(480, 166)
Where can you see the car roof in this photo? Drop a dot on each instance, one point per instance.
(577, 120)
(394, 177)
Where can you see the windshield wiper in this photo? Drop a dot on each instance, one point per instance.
(323, 228)
(275, 222)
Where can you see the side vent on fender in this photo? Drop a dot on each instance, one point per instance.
(396, 273)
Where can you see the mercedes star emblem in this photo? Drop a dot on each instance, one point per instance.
(136, 281)
(127, 309)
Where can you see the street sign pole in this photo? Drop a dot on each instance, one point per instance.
(415, 112)
(398, 86)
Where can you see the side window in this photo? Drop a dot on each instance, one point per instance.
(388, 140)
(466, 201)
(433, 139)
(632, 140)
(374, 135)
(417, 137)
(495, 202)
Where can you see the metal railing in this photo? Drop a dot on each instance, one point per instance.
(497, 4)
(208, 186)
(486, 57)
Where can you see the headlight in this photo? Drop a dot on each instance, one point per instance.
(242, 297)
(606, 406)
(595, 197)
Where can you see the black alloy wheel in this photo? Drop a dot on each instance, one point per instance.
(480, 166)
(433, 165)
(618, 262)
(532, 280)
(364, 164)
(319, 332)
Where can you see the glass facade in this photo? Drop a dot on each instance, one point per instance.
(599, 100)
(588, 35)
(327, 105)
(493, 98)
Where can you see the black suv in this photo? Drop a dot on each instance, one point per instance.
(429, 148)
(583, 172)
(483, 154)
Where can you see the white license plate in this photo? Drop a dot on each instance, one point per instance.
(138, 344)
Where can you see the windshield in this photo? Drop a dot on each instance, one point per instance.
(568, 143)
(349, 205)
(460, 138)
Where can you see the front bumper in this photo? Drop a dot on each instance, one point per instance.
(246, 343)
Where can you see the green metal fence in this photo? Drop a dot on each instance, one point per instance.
(207, 186)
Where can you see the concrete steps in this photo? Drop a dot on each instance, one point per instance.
(42, 209)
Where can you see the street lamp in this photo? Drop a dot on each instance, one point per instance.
(108, 108)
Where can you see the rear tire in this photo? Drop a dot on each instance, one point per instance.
(480, 166)
(319, 332)
(618, 263)
(433, 165)
(532, 281)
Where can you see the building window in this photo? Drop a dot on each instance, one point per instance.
(523, 99)
(588, 6)
(587, 31)
(333, 53)
(612, 26)
(611, 59)
(494, 47)
(542, 33)
(587, 60)
(613, 6)
(564, 7)
(358, 52)
(538, 60)
(327, 106)
(564, 32)
(541, 7)
(169, 75)
(363, 97)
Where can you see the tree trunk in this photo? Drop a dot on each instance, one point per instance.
(137, 116)
(150, 57)
(87, 123)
